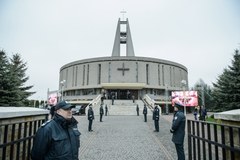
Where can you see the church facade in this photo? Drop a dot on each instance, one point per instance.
(121, 76)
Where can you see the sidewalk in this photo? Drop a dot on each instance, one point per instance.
(127, 138)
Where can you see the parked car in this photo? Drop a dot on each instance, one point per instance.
(76, 110)
(83, 108)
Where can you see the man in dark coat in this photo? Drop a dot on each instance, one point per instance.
(106, 110)
(90, 118)
(145, 112)
(156, 117)
(178, 130)
(59, 137)
(101, 112)
(137, 109)
(113, 98)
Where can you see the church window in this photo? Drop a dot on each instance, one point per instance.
(76, 76)
(73, 75)
(99, 73)
(109, 72)
(170, 76)
(66, 78)
(159, 76)
(147, 73)
(88, 74)
(83, 75)
(163, 74)
(136, 71)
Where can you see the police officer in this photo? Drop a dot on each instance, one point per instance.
(137, 109)
(145, 112)
(156, 117)
(58, 137)
(90, 118)
(178, 130)
(101, 112)
(106, 110)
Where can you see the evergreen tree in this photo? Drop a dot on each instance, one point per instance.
(4, 79)
(226, 90)
(19, 92)
(204, 94)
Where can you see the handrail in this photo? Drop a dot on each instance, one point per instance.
(95, 101)
(150, 102)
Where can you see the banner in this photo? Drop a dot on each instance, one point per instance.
(190, 98)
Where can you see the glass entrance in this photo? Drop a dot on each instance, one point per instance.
(122, 94)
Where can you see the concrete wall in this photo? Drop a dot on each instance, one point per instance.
(84, 74)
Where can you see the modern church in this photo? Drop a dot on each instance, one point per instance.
(121, 77)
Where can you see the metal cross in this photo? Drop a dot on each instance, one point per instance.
(123, 69)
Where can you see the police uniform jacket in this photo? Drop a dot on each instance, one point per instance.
(156, 114)
(178, 127)
(90, 114)
(145, 110)
(57, 139)
(101, 110)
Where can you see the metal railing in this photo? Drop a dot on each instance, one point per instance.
(16, 139)
(209, 141)
(149, 101)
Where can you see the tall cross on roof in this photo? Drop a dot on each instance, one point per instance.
(123, 12)
(123, 69)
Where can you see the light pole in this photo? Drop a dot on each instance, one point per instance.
(183, 82)
(62, 85)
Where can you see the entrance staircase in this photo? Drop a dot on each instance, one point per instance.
(121, 107)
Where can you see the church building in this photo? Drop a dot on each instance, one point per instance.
(123, 77)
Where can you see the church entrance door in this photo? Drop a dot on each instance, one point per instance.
(123, 94)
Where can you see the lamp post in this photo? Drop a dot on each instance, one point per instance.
(183, 82)
(62, 85)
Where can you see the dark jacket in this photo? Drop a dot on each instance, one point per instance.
(57, 139)
(144, 110)
(106, 108)
(156, 114)
(101, 110)
(90, 114)
(137, 108)
(178, 127)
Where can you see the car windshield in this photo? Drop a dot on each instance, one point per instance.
(78, 107)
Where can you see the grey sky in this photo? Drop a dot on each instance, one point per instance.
(200, 34)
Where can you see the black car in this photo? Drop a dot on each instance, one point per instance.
(76, 110)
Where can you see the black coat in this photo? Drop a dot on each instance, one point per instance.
(90, 114)
(178, 127)
(57, 139)
(156, 114)
(101, 110)
(144, 110)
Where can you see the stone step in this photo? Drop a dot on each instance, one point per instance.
(122, 107)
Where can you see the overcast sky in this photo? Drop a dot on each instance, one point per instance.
(199, 34)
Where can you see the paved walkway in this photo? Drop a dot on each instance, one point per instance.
(126, 138)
